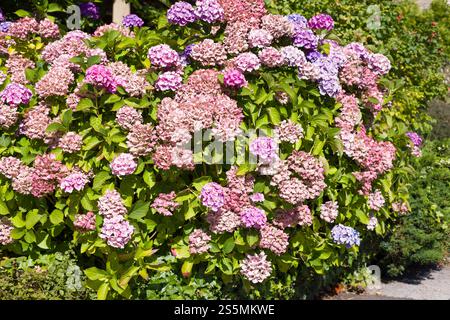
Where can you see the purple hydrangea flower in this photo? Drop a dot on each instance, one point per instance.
(181, 13)
(415, 138)
(132, 20)
(186, 54)
(90, 10)
(213, 196)
(297, 19)
(15, 94)
(4, 26)
(2, 16)
(253, 217)
(322, 22)
(234, 78)
(345, 235)
(209, 11)
(313, 56)
(265, 148)
(305, 38)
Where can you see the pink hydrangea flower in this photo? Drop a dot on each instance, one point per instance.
(124, 164)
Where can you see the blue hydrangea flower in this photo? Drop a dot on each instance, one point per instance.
(345, 235)
(132, 20)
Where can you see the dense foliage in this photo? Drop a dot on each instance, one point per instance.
(423, 237)
(100, 118)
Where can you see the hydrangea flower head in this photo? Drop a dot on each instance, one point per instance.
(132, 20)
(345, 235)
(181, 13)
(213, 196)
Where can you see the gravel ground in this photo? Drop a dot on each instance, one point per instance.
(421, 284)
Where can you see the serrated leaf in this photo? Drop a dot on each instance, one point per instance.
(100, 179)
(228, 246)
(139, 210)
(32, 218)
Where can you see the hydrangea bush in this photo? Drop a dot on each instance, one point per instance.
(100, 145)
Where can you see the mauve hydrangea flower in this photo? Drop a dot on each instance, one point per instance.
(74, 181)
(293, 56)
(271, 57)
(209, 53)
(48, 29)
(282, 97)
(8, 115)
(329, 211)
(415, 138)
(288, 131)
(15, 94)
(162, 56)
(181, 13)
(164, 203)
(199, 242)
(123, 165)
(84, 222)
(259, 38)
(23, 27)
(379, 63)
(256, 268)
(10, 167)
(309, 71)
(90, 10)
(55, 83)
(127, 117)
(5, 233)
(111, 204)
(376, 200)
(299, 20)
(235, 40)
(305, 38)
(101, 77)
(223, 221)
(141, 139)
(322, 22)
(35, 122)
(265, 148)
(116, 231)
(72, 101)
(345, 235)
(253, 217)
(22, 183)
(209, 11)
(300, 215)
(257, 197)
(213, 196)
(71, 142)
(2, 16)
(274, 239)
(234, 78)
(247, 62)
(373, 221)
(169, 81)
(3, 77)
(277, 25)
(132, 20)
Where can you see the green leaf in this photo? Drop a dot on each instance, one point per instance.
(56, 217)
(186, 268)
(55, 126)
(149, 178)
(22, 13)
(100, 179)
(17, 233)
(54, 7)
(85, 104)
(3, 208)
(228, 246)
(274, 115)
(30, 237)
(90, 142)
(200, 182)
(103, 290)
(252, 239)
(139, 210)
(94, 273)
(32, 218)
(67, 118)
